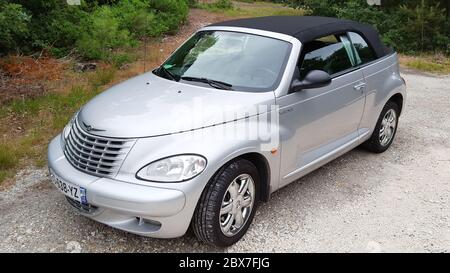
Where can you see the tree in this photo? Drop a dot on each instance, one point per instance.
(414, 25)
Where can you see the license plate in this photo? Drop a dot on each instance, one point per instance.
(75, 192)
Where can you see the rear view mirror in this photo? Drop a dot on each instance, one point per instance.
(314, 79)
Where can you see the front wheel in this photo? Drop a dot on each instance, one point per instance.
(385, 129)
(228, 204)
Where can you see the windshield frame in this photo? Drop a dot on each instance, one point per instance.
(265, 34)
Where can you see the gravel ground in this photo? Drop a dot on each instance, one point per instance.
(393, 202)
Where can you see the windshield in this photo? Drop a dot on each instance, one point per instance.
(228, 60)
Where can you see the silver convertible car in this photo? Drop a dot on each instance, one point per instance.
(240, 110)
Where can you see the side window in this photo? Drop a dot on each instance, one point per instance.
(329, 54)
(365, 52)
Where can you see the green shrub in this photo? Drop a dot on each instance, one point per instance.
(170, 14)
(120, 25)
(103, 35)
(192, 3)
(13, 26)
(96, 28)
(120, 59)
(217, 6)
(412, 26)
(223, 4)
(423, 28)
(54, 25)
(134, 16)
(318, 7)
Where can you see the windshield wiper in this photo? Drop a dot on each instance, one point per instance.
(212, 83)
(167, 72)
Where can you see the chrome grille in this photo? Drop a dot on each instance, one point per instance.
(99, 156)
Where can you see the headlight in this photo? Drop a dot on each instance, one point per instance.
(66, 131)
(173, 169)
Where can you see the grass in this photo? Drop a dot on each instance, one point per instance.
(436, 63)
(8, 157)
(4, 175)
(42, 118)
(102, 77)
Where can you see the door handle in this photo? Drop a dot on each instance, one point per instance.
(359, 86)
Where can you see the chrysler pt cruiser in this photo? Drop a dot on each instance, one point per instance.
(140, 157)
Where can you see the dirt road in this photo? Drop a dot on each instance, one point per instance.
(396, 201)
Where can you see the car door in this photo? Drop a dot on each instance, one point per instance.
(317, 124)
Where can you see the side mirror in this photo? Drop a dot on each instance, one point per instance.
(314, 79)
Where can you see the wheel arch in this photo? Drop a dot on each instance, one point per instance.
(263, 167)
(397, 99)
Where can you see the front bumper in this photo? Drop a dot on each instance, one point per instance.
(144, 210)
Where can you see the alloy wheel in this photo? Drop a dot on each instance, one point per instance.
(237, 204)
(388, 126)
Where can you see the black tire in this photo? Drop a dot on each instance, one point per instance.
(206, 219)
(374, 143)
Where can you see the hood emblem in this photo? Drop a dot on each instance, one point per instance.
(89, 128)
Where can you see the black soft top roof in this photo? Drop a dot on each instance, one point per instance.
(308, 28)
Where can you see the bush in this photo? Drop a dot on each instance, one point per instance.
(223, 4)
(423, 28)
(54, 25)
(120, 59)
(13, 26)
(134, 16)
(418, 25)
(170, 14)
(120, 25)
(192, 3)
(217, 6)
(318, 7)
(96, 27)
(103, 35)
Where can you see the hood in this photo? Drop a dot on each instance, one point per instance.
(148, 105)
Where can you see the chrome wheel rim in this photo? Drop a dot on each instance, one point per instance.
(237, 205)
(388, 125)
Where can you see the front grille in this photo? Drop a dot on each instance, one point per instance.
(99, 156)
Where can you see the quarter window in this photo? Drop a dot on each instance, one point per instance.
(365, 52)
(329, 54)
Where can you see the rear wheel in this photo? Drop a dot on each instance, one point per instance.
(228, 204)
(385, 129)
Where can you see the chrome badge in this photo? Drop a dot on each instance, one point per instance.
(89, 128)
